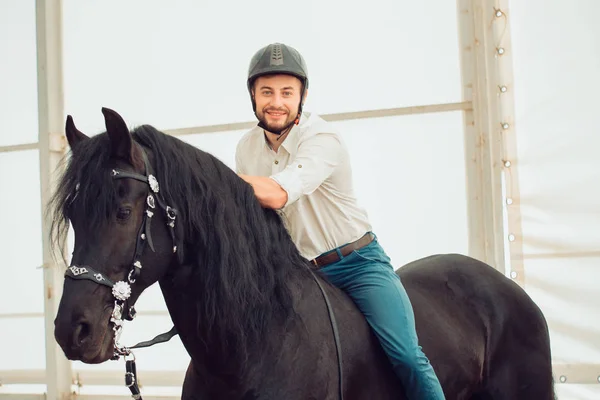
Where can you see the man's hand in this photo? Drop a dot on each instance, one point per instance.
(268, 192)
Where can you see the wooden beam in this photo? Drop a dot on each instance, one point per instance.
(19, 147)
(506, 131)
(571, 373)
(347, 116)
(50, 109)
(486, 71)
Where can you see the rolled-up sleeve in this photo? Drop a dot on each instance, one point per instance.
(315, 160)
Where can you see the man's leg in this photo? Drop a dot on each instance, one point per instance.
(369, 279)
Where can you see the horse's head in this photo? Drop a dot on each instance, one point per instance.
(110, 196)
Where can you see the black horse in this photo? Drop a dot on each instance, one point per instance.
(245, 303)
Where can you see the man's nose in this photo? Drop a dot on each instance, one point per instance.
(276, 100)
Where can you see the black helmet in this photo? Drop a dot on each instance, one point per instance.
(278, 58)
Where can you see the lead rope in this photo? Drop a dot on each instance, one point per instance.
(131, 380)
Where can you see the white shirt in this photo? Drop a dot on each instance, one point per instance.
(313, 166)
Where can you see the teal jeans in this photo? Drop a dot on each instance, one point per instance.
(368, 277)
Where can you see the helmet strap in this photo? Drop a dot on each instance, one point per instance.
(297, 121)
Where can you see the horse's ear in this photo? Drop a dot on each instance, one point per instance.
(120, 138)
(74, 135)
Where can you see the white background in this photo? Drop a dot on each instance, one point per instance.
(185, 65)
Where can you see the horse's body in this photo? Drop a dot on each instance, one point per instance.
(245, 303)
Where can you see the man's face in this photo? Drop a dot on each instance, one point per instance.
(277, 100)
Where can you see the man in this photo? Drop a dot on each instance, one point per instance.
(298, 164)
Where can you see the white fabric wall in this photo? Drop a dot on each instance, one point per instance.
(181, 66)
(185, 65)
(21, 285)
(557, 81)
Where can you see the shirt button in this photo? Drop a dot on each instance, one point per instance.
(276, 162)
(299, 165)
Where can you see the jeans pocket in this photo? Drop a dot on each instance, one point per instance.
(373, 253)
(365, 257)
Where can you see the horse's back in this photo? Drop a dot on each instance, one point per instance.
(454, 285)
(474, 323)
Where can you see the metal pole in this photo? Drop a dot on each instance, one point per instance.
(50, 110)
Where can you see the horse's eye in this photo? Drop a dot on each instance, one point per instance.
(123, 214)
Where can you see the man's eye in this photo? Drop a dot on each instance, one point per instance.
(123, 214)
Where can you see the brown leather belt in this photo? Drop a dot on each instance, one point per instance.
(333, 256)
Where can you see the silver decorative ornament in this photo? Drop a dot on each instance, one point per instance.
(75, 270)
(121, 290)
(150, 201)
(117, 314)
(153, 183)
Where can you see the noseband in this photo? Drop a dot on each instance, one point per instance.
(121, 290)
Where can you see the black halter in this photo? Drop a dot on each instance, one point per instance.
(121, 290)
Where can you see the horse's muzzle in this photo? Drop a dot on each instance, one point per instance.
(84, 340)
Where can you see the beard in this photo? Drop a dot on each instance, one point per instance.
(275, 126)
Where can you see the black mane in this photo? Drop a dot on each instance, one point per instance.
(85, 189)
(242, 255)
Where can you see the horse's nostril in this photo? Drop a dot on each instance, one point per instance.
(81, 334)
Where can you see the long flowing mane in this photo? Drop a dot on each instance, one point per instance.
(243, 258)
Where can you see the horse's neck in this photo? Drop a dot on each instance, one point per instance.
(218, 367)
(303, 348)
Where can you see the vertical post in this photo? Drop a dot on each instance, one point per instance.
(505, 130)
(487, 83)
(50, 110)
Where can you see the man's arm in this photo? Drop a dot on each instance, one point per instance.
(315, 161)
(267, 191)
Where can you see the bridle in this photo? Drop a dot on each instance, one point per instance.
(121, 290)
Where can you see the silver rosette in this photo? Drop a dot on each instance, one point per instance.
(121, 290)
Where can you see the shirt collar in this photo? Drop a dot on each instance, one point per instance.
(290, 144)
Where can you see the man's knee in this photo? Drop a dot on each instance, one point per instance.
(410, 358)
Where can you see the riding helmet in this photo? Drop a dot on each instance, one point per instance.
(277, 58)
